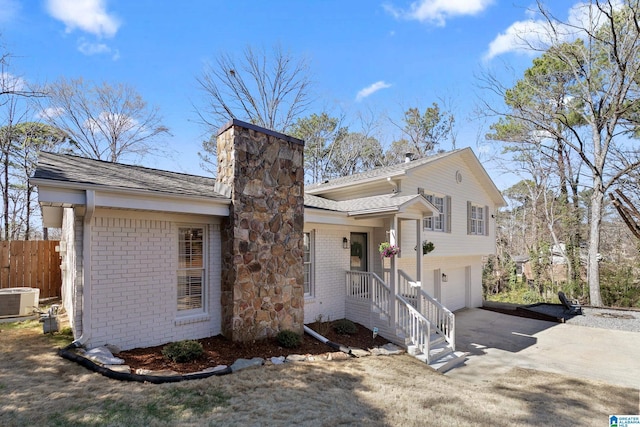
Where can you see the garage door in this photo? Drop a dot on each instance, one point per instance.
(454, 295)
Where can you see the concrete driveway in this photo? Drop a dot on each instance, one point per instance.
(498, 342)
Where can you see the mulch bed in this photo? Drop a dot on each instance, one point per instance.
(523, 312)
(220, 351)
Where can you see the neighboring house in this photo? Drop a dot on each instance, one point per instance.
(151, 256)
(556, 260)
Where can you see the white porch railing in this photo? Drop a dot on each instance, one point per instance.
(366, 285)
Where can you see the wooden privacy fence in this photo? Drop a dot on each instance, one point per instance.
(31, 264)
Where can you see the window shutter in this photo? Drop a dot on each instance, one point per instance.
(468, 217)
(486, 220)
(447, 213)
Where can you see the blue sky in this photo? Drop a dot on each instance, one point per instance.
(364, 56)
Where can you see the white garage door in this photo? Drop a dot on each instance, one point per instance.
(454, 296)
(454, 291)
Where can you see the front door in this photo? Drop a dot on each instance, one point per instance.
(359, 251)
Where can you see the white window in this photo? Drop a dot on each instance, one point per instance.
(477, 219)
(439, 221)
(308, 264)
(191, 269)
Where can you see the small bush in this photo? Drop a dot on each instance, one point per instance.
(288, 339)
(345, 327)
(183, 351)
(321, 327)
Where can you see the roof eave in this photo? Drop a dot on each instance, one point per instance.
(129, 191)
(320, 189)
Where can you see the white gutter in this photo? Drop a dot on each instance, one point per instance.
(90, 207)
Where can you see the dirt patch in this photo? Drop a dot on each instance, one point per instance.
(220, 351)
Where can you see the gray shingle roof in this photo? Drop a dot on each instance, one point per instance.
(79, 171)
(362, 205)
(400, 168)
(65, 168)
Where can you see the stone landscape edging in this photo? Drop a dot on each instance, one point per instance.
(223, 370)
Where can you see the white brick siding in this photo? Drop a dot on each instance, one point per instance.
(134, 285)
(330, 266)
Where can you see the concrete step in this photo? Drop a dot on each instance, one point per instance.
(436, 339)
(449, 361)
(438, 351)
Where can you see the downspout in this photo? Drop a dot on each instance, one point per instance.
(90, 207)
(326, 341)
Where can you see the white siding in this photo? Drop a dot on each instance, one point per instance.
(134, 285)
(439, 177)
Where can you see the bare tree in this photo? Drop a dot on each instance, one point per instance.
(267, 89)
(103, 122)
(11, 85)
(604, 62)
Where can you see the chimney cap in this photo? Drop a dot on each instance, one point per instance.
(240, 123)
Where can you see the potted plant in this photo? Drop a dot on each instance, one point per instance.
(427, 247)
(388, 250)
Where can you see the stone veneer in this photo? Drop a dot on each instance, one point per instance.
(262, 241)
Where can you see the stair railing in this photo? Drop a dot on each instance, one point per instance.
(408, 288)
(413, 325)
(443, 319)
(416, 316)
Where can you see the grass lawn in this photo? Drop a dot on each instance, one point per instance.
(39, 388)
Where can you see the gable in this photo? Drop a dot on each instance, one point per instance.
(435, 173)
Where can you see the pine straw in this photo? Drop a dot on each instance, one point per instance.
(39, 388)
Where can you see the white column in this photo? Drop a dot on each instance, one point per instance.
(393, 232)
(419, 259)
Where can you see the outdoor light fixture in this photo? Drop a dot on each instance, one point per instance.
(345, 243)
(444, 277)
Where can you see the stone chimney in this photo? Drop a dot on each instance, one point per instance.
(262, 241)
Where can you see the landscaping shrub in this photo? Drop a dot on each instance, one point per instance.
(183, 351)
(345, 327)
(288, 339)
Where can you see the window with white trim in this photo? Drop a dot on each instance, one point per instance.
(191, 269)
(439, 221)
(308, 264)
(477, 219)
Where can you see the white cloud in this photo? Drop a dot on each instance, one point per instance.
(536, 33)
(106, 120)
(90, 48)
(51, 112)
(90, 16)
(9, 10)
(438, 11)
(370, 90)
(520, 36)
(11, 83)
